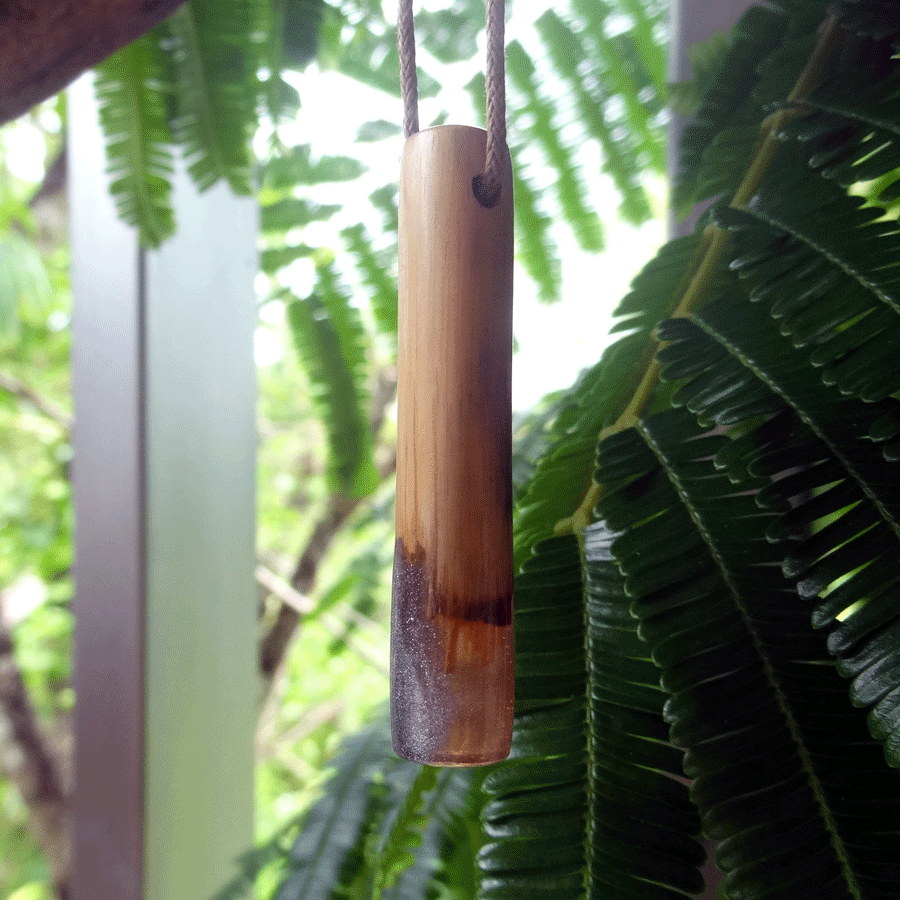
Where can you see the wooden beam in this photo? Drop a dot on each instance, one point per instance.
(46, 44)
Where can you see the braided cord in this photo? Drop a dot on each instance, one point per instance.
(487, 184)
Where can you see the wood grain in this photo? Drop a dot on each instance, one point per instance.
(452, 639)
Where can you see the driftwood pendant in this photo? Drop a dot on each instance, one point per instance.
(451, 625)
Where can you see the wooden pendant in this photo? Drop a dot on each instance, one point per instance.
(451, 625)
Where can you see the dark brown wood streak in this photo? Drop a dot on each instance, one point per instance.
(451, 702)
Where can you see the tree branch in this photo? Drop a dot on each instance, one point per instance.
(294, 606)
(277, 639)
(27, 761)
(51, 410)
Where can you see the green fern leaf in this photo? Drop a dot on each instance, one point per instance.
(331, 341)
(570, 187)
(296, 167)
(535, 246)
(729, 102)
(536, 249)
(845, 491)
(271, 259)
(216, 56)
(138, 140)
(629, 81)
(598, 398)
(377, 269)
(444, 862)
(642, 837)
(287, 213)
(620, 151)
(329, 853)
(533, 817)
(647, 31)
(814, 256)
(771, 759)
(397, 852)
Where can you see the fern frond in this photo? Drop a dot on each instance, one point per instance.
(617, 65)
(129, 87)
(620, 153)
(770, 758)
(331, 340)
(540, 789)
(329, 853)
(768, 50)
(536, 249)
(444, 862)
(642, 838)
(287, 213)
(297, 167)
(535, 246)
(647, 24)
(814, 256)
(843, 491)
(570, 189)
(397, 852)
(849, 128)
(599, 397)
(271, 259)
(216, 55)
(377, 268)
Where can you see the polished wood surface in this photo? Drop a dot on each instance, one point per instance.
(452, 638)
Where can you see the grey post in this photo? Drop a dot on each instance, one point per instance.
(692, 21)
(164, 471)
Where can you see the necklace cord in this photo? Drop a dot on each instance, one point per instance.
(486, 185)
(409, 87)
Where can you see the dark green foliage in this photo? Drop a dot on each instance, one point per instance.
(769, 49)
(541, 788)
(643, 829)
(599, 397)
(740, 368)
(753, 700)
(299, 30)
(214, 59)
(744, 568)
(813, 255)
(727, 106)
(332, 846)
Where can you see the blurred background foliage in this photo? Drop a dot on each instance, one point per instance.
(225, 83)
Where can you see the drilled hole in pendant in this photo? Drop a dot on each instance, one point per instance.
(486, 195)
